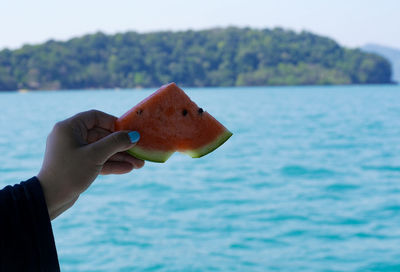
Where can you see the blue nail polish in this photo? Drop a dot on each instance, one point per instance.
(134, 136)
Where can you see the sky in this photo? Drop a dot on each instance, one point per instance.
(352, 23)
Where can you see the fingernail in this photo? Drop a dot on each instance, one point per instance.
(134, 136)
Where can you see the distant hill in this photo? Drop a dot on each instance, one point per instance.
(215, 57)
(392, 54)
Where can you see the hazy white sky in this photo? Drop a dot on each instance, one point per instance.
(350, 22)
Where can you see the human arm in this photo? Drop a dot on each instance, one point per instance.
(78, 150)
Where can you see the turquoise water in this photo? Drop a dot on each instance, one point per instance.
(310, 181)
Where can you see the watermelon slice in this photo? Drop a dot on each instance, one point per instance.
(168, 121)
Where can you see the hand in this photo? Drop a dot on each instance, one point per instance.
(79, 149)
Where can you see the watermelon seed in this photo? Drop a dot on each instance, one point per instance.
(140, 111)
(200, 110)
(184, 112)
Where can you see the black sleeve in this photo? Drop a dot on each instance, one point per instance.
(26, 235)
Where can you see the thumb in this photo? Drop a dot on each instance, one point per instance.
(116, 142)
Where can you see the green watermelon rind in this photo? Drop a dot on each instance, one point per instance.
(150, 155)
(162, 156)
(202, 151)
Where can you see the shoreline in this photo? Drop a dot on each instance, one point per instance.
(197, 87)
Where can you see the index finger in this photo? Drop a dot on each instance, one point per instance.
(96, 118)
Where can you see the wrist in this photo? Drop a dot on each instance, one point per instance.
(56, 200)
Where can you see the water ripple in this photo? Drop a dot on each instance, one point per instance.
(297, 171)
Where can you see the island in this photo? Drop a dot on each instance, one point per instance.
(214, 57)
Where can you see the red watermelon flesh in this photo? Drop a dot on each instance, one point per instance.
(168, 121)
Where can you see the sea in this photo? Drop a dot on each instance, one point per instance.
(309, 181)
